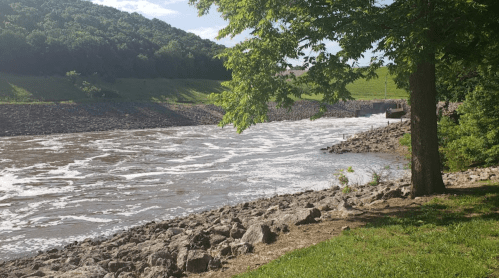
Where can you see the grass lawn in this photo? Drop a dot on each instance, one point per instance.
(454, 237)
(32, 89)
(372, 89)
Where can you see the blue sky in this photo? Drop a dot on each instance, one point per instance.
(179, 14)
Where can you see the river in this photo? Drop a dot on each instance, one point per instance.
(56, 189)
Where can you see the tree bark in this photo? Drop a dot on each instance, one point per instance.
(426, 173)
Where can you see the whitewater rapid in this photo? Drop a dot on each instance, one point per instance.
(57, 189)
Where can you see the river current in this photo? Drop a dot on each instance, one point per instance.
(57, 189)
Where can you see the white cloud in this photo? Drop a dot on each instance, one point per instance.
(143, 7)
(168, 2)
(212, 32)
(206, 32)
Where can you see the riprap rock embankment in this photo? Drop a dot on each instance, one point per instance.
(40, 119)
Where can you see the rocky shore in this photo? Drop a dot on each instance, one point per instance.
(385, 140)
(200, 242)
(39, 119)
(206, 243)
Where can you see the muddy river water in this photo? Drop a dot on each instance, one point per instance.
(57, 189)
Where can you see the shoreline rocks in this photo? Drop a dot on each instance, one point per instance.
(42, 119)
(198, 242)
(384, 139)
(205, 241)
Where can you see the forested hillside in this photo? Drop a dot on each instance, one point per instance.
(53, 37)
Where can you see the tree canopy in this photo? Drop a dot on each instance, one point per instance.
(57, 36)
(417, 36)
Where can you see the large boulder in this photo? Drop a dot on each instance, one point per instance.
(222, 230)
(257, 233)
(300, 216)
(197, 261)
(159, 258)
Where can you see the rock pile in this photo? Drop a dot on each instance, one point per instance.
(39, 119)
(199, 242)
(384, 139)
(205, 241)
(471, 176)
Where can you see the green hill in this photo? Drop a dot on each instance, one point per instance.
(20, 88)
(52, 37)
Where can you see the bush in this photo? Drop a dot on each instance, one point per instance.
(475, 139)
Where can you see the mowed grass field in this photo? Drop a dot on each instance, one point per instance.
(38, 89)
(372, 89)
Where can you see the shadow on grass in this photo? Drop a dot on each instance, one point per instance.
(463, 205)
(452, 236)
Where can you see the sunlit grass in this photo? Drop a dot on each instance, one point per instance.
(369, 90)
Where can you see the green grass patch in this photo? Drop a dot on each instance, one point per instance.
(30, 89)
(372, 89)
(455, 237)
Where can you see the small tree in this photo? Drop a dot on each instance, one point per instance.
(89, 89)
(72, 76)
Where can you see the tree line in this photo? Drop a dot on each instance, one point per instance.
(56, 36)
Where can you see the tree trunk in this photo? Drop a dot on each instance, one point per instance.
(426, 174)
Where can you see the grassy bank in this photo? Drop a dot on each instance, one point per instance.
(448, 237)
(372, 89)
(32, 89)
(28, 89)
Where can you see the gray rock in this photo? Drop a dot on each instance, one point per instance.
(300, 217)
(113, 266)
(393, 193)
(214, 264)
(159, 258)
(257, 233)
(236, 233)
(93, 271)
(182, 258)
(348, 210)
(241, 248)
(279, 228)
(126, 275)
(179, 242)
(222, 230)
(156, 272)
(216, 239)
(224, 250)
(197, 261)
